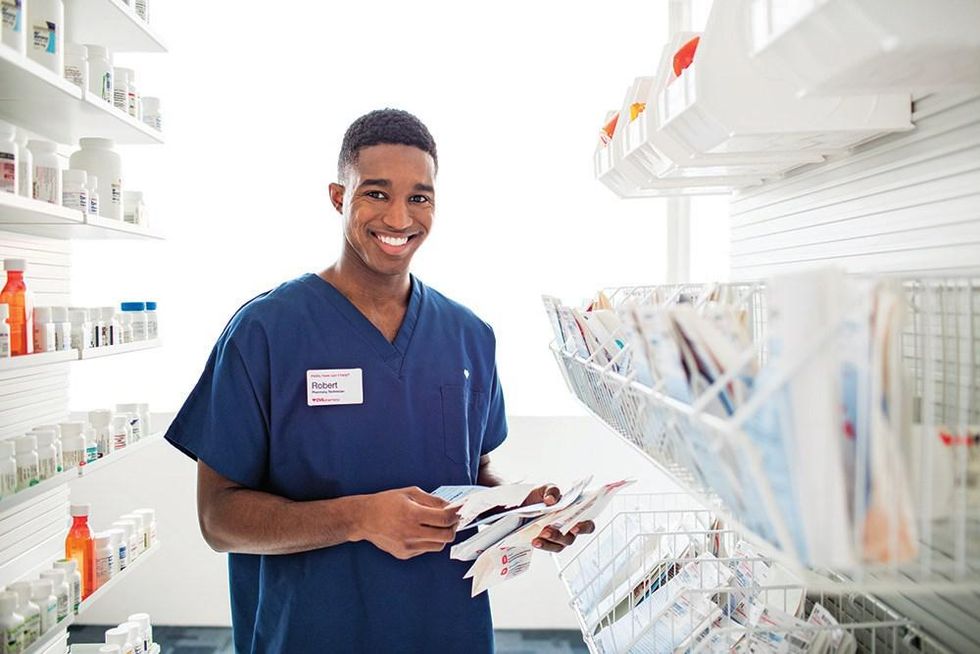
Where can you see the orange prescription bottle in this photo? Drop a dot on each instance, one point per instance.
(80, 547)
(21, 319)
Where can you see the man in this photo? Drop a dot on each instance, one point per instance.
(327, 405)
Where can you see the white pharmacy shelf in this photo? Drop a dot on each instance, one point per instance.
(93, 648)
(29, 216)
(54, 635)
(111, 23)
(30, 494)
(37, 99)
(119, 578)
(111, 350)
(48, 358)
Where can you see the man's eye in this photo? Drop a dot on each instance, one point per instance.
(377, 195)
(420, 199)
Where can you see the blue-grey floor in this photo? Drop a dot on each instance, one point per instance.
(215, 640)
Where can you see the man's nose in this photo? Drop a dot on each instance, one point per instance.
(397, 217)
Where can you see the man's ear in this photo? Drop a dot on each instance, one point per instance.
(337, 197)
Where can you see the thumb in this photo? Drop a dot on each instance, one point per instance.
(421, 497)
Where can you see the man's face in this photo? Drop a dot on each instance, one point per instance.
(388, 202)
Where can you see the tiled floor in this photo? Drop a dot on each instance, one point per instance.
(215, 640)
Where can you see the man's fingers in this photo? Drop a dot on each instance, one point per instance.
(586, 527)
(423, 498)
(551, 495)
(547, 545)
(434, 534)
(553, 535)
(432, 517)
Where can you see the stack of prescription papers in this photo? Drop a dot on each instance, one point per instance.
(501, 548)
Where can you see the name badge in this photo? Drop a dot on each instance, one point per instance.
(332, 387)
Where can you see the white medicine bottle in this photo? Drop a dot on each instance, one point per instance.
(120, 636)
(74, 578)
(11, 623)
(8, 469)
(27, 463)
(100, 72)
(135, 636)
(47, 171)
(62, 328)
(44, 330)
(101, 421)
(137, 313)
(8, 157)
(98, 157)
(121, 431)
(104, 563)
(81, 329)
(60, 589)
(47, 455)
(27, 610)
(92, 188)
(4, 331)
(42, 592)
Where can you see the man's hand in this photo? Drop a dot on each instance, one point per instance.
(550, 539)
(406, 522)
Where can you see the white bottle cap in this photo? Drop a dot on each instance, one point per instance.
(42, 589)
(110, 649)
(102, 539)
(8, 602)
(15, 264)
(57, 576)
(135, 632)
(59, 314)
(4, 311)
(117, 636)
(26, 444)
(23, 590)
(70, 566)
(115, 536)
(7, 449)
(45, 438)
(77, 50)
(127, 527)
(147, 515)
(94, 142)
(120, 421)
(97, 51)
(100, 417)
(74, 176)
(47, 147)
(52, 427)
(79, 510)
(108, 313)
(128, 407)
(71, 427)
(142, 619)
(73, 443)
(42, 314)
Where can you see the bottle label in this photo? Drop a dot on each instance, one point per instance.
(8, 172)
(46, 184)
(11, 640)
(119, 441)
(93, 204)
(63, 604)
(4, 345)
(139, 330)
(12, 13)
(105, 337)
(131, 104)
(73, 74)
(103, 569)
(48, 468)
(106, 91)
(46, 37)
(62, 336)
(91, 453)
(120, 99)
(32, 628)
(117, 193)
(75, 200)
(123, 557)
(26, 476)
(49, 615)
(8, 483)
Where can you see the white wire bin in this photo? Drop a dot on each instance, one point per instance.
(664, 575)
(714, 442)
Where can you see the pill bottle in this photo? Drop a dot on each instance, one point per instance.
(61, 589)
(133, 102)
(100, 72)
(128, 529)
(142, 533)
(4, 331)
(98, 327)
(44, 330)
(25, 167)
(91, 445)
(134, 212)
(146, 629)
(27, 462)
(47, 171)
(92, 187)
(62, 328)
(74, 577)
(112, 323)
(121, 431)
(146, 427)
(152, 326)
(8, 158)
(120, 88)
(148, 516)
(27, 610)
(126, 325)
(80, 546)
(55, 432)
(42, 594)
(104, 559)
(101, 422)
(21, 307)
(135, 636)
(81, 329)
(47, 455)
(74, 189)
(137, 310)
(15, 26)
(120, 636)
(76, 65)
(136, 423)
(74, 451)
(11, 622)
(107, 316)
(119, 550)
(8, 469)
(46, 22)
(151, 113)
(97, 156)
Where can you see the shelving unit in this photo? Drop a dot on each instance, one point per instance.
(51, 358)
(114, 24)
(28, 216)
(113, 350)
(118, 579)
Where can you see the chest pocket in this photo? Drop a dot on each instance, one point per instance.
(464, 418)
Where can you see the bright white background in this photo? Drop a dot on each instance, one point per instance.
(256, 99)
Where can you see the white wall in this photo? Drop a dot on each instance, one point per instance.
(185, 583)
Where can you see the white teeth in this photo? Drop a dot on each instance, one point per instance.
(391, 240)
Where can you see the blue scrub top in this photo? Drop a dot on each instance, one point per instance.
(432, 405)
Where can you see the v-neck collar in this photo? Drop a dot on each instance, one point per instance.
(391, 352)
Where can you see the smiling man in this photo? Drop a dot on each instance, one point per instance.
(326, 407)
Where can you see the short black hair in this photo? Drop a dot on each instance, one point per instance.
(384, 126)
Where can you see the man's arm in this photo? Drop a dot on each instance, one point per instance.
(404, 522)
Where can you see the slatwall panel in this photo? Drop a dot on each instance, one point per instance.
(906, 203)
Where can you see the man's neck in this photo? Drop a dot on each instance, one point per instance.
(362, 285)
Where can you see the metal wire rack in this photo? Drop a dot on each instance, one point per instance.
(662, 574)
(714, 458)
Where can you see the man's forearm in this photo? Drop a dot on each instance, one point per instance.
(486, 476)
